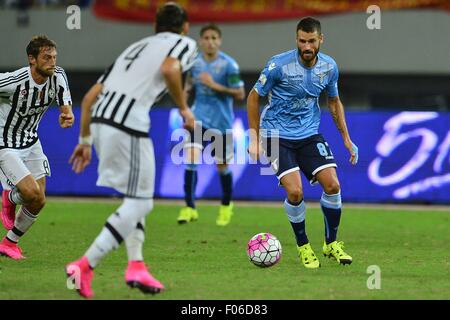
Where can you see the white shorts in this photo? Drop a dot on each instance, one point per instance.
(126, 162)
(16, 164)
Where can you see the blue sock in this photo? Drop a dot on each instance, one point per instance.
(190, 182)
(331, 208)
(296, 216)
(226, 180)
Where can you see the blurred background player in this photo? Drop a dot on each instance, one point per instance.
(216, 81)
(115, 110)
(295, 80)
(25, 95)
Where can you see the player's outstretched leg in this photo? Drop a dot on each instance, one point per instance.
(8, 210)
(117, 228)
(81, 273)
(138, 276)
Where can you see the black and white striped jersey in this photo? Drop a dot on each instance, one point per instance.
(24, 102)
(134, 82)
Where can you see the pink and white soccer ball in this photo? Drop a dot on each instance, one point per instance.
(264, 249)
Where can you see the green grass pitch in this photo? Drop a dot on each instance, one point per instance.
(202, 261)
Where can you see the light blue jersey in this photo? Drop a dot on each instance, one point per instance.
(294, 92)
(213, 109)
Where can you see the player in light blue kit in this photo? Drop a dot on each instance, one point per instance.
(216, 81)
(294, 81)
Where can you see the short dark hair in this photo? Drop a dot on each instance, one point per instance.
(211, 26)
(309, 24)
(170, 17)
(37, 43)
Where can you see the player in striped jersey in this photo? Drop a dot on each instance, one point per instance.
(115, 111)
(25, 95)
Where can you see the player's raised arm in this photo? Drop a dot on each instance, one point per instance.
(337, 112)
(253, 123)
(171, 71)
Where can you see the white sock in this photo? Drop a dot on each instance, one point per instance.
(23, 222)
(15, 196)
(118, 227)
(135, 241)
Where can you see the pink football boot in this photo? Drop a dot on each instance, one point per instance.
(10, 249)
(80, 268)
(8, 211)
(137, 276)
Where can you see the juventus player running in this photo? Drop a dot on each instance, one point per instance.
(115, 119)
(25, 95)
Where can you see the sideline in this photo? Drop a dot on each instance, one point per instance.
(270, 204)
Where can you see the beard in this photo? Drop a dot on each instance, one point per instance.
(311, 57)
(45, 73)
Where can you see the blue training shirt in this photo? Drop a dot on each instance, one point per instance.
(214, 109)
(294, 91)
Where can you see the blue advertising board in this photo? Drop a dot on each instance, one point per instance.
(403, 157)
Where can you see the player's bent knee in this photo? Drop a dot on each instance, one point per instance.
(332, 188)
(31, 194)
(38, 203)
(144, 205)
(41, 200)
(138, 207)
(295, 194)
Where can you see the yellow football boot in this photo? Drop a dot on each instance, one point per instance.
(308, 257)
(225, 214)
(336, 251)
(187, 214)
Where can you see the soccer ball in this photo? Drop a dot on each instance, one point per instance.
(264, 249)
